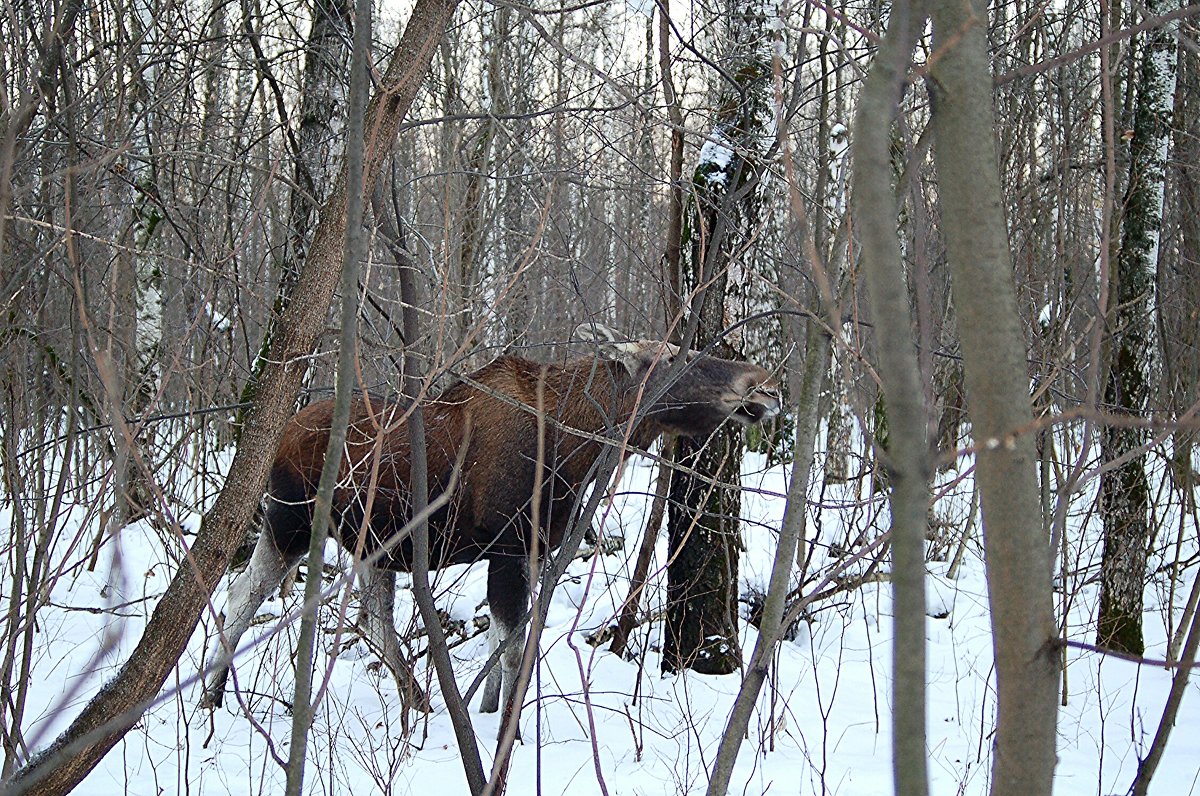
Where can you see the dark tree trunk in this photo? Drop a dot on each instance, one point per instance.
(705, 505)
(321, 130)
(702, 532)
(703, 522)
(1124, 491)
(1181, 295)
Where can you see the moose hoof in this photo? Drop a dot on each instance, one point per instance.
(212, 699)
(420, 702)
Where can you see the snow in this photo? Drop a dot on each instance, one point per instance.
(715, 156)
(222, 321)
(839, 149)
(823, 723)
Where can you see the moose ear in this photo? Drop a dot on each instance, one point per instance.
(610, 344)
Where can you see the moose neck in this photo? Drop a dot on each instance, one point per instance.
(598, 397)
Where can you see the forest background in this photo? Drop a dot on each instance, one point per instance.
(1017, 185)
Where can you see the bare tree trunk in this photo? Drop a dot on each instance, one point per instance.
(1124, 490)
(672, 302)
(996, 375)
(439, 651)
(106, 719)
(907, 456)
(320, 134)
(138, 374)
(146, 214)
(303, 708)
(1187, 161)
(318, 141)
(807, 395)
(1179, 295)
(672, 256)
(808, 373)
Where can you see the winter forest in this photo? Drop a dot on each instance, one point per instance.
(711, 397)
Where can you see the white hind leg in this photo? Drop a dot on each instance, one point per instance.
(508, 599)
(263, 574)
(499, 677)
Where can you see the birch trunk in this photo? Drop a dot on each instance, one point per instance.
(318, 143)
(1124, 490)
(703, 521)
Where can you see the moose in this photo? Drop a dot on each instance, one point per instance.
(482, 459)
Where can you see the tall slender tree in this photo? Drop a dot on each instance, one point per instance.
(997, 381)
(316, 146)
(907, 455)
(1124, 490)
(1179, 294)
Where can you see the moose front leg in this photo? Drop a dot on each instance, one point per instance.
(379, 628)
(249, 589)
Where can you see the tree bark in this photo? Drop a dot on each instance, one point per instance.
(139, 378)
(119, 704)
(355, 251)
(1179, 291)
(1124, 490)
(318, 147)
(704, 539)
(997, 381)
(907, 457)
(703, 522)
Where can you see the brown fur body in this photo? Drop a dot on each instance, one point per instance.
(490, 511)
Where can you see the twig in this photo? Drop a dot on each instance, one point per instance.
(1184, 663)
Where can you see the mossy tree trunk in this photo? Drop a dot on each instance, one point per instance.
(1124, 490)
(702, 529)
(703, 520)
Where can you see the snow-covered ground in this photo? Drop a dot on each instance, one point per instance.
(823, 724)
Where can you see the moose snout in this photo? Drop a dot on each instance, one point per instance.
(758, 401)
(763, 403)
